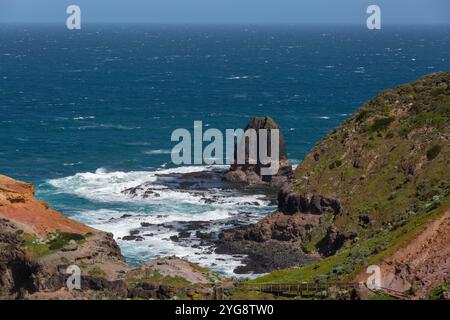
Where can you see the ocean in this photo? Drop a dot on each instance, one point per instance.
(87, 114)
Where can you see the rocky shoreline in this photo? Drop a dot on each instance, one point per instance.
(211, 188)
(376, 187)
(38, 245)
(39, 248)
(238, 236)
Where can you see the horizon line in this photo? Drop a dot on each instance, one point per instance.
(234, 23)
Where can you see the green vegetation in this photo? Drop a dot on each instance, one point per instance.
(381, 175)
(35, 247)
(60, 239)
(152, 279)
(439, 292)
(381, 124)
(362, 115)
(335, 164)
(435, 119)
(349, 262)
(38, 248)
(96, 271)
(433, 152)
(156, 278)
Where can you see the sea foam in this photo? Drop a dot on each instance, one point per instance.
(163, 216)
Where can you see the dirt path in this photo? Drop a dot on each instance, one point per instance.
(422, 264)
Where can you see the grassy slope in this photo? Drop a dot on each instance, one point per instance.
(390, 163)
(350, 261)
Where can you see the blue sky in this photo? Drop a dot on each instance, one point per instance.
(228, 11)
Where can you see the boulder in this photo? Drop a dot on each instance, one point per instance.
(333, 241)
(290, 203)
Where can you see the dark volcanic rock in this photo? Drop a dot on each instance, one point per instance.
(364, 220)
(18, 273)
(119, 287)
(290, 203)
(145, 224)
(333, 241)
(184, 234)
(132, 238)
(151, 291)
(276, 226)
(251, 173)
(264, 257)
(204, 235)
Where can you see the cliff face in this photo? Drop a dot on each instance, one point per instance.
(387, 163)
(17, 204)
(368, 185)
(38, 244)
(367, 188)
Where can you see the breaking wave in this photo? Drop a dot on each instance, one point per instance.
(162, 214)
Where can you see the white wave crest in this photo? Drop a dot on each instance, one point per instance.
(113, 211)
(158, 151)
(104, 186)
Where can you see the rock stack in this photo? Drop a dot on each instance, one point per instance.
(251, 174)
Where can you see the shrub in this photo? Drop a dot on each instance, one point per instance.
(63, 238)
(362, 115)
(439, 292)
(433, 152)
(335, 164)
(404, 131)
(96, 271)
(438, 91)
(381, 124)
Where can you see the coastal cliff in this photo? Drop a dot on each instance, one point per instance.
(38, 244)
(366, 188)
(376, 190)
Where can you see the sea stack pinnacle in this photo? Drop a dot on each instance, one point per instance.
(251, 173)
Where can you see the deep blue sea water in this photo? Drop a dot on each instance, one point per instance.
(85, 114)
